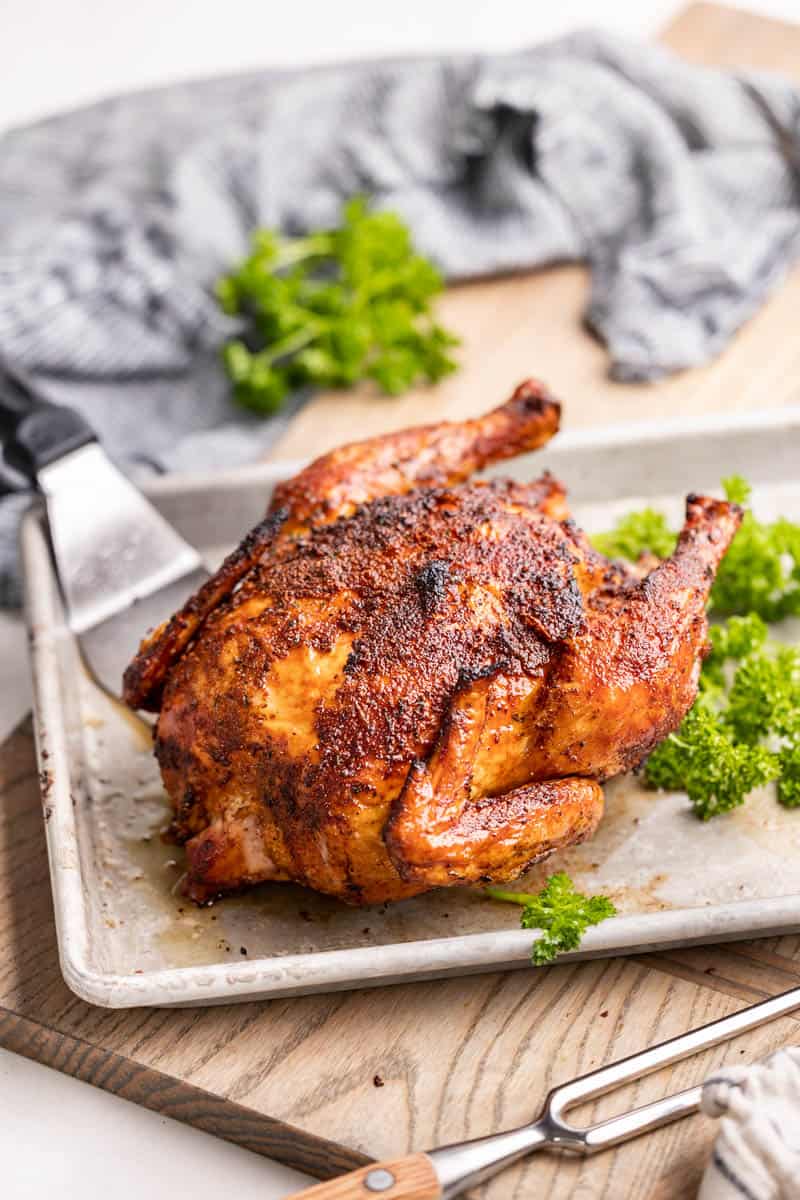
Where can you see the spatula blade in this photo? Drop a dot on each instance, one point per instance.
(122, 567)
(107, 648)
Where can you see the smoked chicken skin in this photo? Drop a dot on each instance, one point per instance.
(403, 680)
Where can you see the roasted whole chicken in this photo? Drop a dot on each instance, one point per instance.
(401, 680)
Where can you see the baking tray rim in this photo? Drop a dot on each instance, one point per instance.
(332, 970)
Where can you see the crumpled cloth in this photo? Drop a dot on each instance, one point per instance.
(757, 1152)
(678, 185)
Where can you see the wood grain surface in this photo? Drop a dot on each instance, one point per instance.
(323, 1082)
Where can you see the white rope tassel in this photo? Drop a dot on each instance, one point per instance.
(757, 1152)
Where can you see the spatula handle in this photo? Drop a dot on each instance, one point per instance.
(34, 431)
(411, 1178)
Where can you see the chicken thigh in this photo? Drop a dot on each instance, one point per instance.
(401, 680)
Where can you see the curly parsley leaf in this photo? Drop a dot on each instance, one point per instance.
(737, 489)
(789, 782)
(744, 728)
(761, 571)
(737, 638)
(764, 697)
(333, 308)
(704, 759)
(562, 913)
(642, 532)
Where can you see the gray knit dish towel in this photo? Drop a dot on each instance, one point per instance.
(678, 185)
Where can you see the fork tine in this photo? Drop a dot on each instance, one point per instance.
(637, 1065)
(641, 1120)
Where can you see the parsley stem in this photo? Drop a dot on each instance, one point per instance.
(509, 897)
(289, 345)
(316, 245)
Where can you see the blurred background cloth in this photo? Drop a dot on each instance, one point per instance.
(678, 185)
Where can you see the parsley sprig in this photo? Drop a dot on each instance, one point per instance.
(333, 308)
(637, 533)
(744, 728)
(562, 913)
(705, 760)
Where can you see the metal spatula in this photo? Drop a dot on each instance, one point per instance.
(123, 569)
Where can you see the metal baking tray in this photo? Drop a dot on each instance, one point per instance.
(127, 937)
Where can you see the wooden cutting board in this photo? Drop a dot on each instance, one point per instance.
(321, 1082)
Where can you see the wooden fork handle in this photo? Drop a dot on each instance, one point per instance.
(410, 1178)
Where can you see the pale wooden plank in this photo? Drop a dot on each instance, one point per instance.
(748, 971)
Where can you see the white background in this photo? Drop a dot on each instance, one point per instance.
(58, 1136)
(59, 53)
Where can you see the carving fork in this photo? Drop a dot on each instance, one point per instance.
(447, 1172)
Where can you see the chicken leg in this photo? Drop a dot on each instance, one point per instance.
(335, 484)
(425, 456)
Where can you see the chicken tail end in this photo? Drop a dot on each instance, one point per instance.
(683, 582)
(709, 528)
